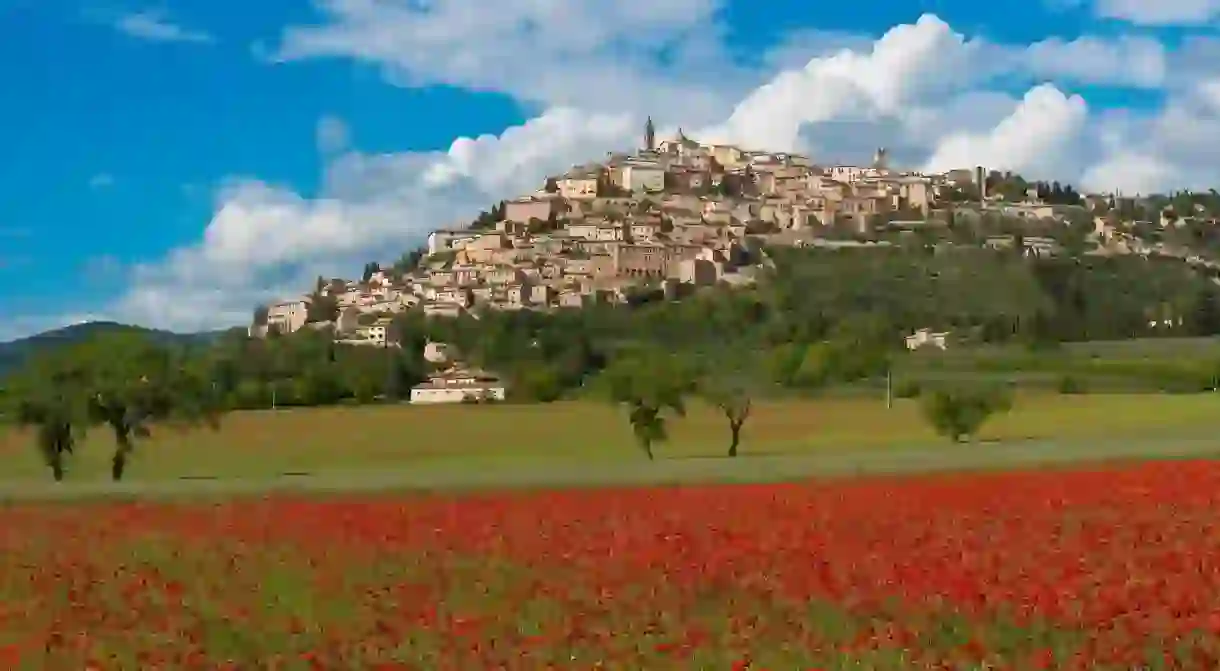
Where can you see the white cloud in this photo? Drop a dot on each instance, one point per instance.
(580, 53)
(915, 87)
(1125, 61)
(1174, 149)
(907, 63)
(155, 26)
(1034, 139)
(1159, 12)
(909, 136)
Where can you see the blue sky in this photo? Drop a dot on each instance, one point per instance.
(172, 164)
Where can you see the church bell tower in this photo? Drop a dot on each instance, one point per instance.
(881, 159)
(650, 135)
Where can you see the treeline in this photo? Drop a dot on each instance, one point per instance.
(816, 317)
(1014, 188)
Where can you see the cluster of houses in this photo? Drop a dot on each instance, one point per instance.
(675, 212)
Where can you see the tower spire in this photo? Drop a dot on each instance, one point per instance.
(650, 135)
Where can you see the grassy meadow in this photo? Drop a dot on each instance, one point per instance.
(1178, 365)
(478, 440)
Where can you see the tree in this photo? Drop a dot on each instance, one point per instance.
(649, 383)
(537, 381)
(40, 396)
(322, 308)
(1205, 313)
(134, 383)
(729, 386)
(56, 423)
(409, 261)
(861, 347)
(958, 414)
(123, 382)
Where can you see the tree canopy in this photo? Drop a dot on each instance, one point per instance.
(125, 382)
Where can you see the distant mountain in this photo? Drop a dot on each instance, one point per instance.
(13, 354)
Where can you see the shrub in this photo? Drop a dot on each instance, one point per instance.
(957, 414)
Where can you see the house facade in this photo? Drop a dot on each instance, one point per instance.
(459, 386)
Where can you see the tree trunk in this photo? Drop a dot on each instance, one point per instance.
(118, 463)
(735, 429)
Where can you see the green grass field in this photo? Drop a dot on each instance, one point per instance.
(487, 445)
(1149, 365)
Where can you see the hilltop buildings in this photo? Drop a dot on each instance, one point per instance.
(675, 212)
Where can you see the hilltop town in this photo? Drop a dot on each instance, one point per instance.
(676, 215)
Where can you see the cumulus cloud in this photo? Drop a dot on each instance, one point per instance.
(155, 26)
(578, 53)
(910, 78)
(1173, 149)
(1125, 61)
(908, 62)
(1034, 139)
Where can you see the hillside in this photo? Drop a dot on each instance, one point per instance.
(12, 354)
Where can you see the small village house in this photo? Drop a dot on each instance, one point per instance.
(458, 385)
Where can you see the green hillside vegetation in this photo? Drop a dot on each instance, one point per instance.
(13, 354)
(821, 321)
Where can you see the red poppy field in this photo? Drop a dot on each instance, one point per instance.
(1109, 568)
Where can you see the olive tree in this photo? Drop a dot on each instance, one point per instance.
(136, 384)
(123, 382)
(730, 381)
(38, 400)
(649, 384)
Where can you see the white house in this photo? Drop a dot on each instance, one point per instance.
(927, 338)
(458, 386)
